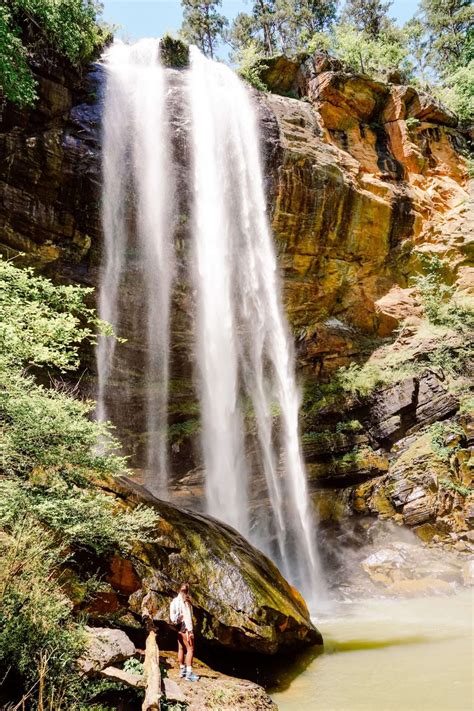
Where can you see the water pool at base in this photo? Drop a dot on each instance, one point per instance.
(408, 655)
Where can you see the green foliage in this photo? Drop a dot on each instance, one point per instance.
(30, 29)
(79, 517)
(174, 52)
(320, 437)
(437, 297)
(134, 665)
(348, 426)
(251, 66)
(458, 91)
(373, 55)
(454, 486)
(300, 20)
(181, 431)
(449, 26)
(50, 507)
(412, 122)
(355, 456)
(203, 25)
(449, 50)
(466, 405)
(42, 323)
(445, 439)
(368, 16)
(38, 638)
(275, 26)
(361, 380)
(16, 80)
(166, 705)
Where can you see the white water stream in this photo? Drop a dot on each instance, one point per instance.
(138, 179)
(243, 341)
(244, 353)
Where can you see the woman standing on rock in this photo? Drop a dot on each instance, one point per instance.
(181, 615)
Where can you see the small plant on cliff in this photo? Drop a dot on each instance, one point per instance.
(458, 488)
(438, 297)
(445, 439)
(412, 123)
(134, 665)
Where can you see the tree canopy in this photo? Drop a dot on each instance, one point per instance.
(203, 25)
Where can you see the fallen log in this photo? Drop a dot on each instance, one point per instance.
(152, 674)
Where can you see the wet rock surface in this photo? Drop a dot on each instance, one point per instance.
(369, 557)
(427, 488)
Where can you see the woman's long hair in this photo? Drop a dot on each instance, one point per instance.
(184, 591)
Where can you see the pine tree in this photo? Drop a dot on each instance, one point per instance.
(202, 24)
(281, 25)
(300, 20)
(265, 16)
(449, 25)
(369, 16)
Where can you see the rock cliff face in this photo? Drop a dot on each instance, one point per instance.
(368, 176)
(364, 178)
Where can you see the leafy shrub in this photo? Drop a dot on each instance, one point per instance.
(445, 439)
(250, 67)
(181, 431)
(50, 506)
(371, 55)
(35, 621)
(361, 380)
(133, 665)
(458, 91)
(437, 297)
(29, 29)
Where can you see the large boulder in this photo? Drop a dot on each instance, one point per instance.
(104, 646)
(240, 599)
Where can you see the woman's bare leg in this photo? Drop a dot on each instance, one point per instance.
(190, 651)
(180, 649)
(187, 645)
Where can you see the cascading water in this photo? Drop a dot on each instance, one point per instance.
(244, 354)
(241, 328)
(138, 219)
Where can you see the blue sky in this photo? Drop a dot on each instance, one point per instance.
(152, 18)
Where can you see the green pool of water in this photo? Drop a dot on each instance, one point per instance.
(405, 655)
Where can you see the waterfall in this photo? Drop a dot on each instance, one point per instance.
(244, 358)
(137, 220)
(243, 344)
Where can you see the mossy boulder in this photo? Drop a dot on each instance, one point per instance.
(174, 52)
(240, 599)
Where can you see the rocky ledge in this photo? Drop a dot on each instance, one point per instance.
(110, 654)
